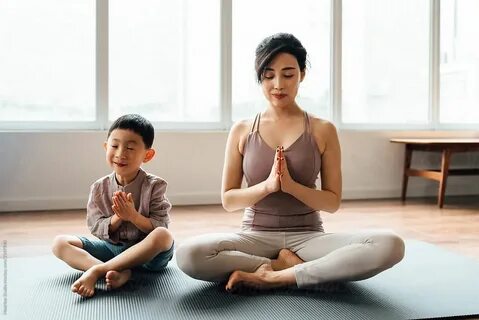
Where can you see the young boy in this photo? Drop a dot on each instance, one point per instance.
(127, 211)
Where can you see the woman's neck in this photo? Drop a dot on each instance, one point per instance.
(275, 113)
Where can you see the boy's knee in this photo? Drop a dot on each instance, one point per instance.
(59, 244)
(162, 238)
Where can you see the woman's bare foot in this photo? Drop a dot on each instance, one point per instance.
(115, 279)
(85, 285)
(263, 278)
(286, 259)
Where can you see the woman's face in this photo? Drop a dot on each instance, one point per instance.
(281, 79)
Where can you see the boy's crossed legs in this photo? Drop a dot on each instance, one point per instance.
(117, 269)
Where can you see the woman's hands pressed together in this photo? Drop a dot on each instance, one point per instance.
(285, 178)
(279, 177)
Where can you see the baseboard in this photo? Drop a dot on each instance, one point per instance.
(40, 204)
(430, 190)
(200, 198)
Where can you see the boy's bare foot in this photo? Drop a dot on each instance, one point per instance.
(85, 285)
(262, 278)
(286, 259)
(115, 279)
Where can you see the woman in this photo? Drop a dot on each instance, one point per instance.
(281, 153)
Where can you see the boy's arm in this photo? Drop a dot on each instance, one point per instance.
(159, 205)
(142, 223)
(124, 208)
(115, 223)
(99, 218)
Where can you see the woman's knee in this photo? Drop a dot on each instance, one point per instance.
(191, 258)
(393, 248)
(398, 249)
(186, 254)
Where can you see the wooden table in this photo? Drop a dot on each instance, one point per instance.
(447, 147)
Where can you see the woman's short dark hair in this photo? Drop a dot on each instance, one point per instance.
(270, 47)
(137, 124)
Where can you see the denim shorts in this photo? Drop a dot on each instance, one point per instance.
(104, 251)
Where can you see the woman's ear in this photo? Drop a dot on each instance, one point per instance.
(105, 144)
(303, 74)
(150, 153)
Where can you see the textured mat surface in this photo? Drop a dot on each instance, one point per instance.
(429, 283)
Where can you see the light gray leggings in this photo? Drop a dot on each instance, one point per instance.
(328, 256)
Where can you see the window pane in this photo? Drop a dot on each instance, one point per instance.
(385, 61)
(165, 59)
(459, 61)
(47, 60)
(255, 20)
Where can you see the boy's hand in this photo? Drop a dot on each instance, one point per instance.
(123, 206)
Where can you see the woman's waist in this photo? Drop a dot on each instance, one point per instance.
(280, 203)
(254, 219)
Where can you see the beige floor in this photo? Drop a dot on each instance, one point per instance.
(455, 227)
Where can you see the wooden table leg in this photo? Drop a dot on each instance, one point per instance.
(446, 157)
(407, 165)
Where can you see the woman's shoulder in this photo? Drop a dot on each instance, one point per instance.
(239, 133)
(323, 131)
(241, 128)
(321, 125)
(243, 124)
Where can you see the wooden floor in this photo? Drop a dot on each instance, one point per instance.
(455, 227)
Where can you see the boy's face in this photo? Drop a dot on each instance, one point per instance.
(125, 153)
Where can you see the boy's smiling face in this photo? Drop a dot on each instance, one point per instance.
(125, 153)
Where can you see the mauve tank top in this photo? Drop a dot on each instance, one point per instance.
(280, 211)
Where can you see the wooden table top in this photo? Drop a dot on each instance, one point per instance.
(436, 140)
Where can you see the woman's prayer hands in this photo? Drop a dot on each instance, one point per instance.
(279, 177)
(285, 178)
(273, 183)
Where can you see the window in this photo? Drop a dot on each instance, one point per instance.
(164, 60)
(385, 56)
(189, 64)
(459, 62)
(47, 60)
(253, 21)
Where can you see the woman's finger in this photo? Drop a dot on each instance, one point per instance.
(280, 159)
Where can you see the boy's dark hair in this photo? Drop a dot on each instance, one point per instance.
(275, 44)
(137, 124)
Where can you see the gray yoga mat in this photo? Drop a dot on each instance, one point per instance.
(429, 283)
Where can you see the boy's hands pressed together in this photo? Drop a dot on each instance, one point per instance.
(124, 207)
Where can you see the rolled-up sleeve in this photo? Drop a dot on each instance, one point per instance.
(98, 217)
(159, 205)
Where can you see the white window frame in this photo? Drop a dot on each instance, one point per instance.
(226, 15)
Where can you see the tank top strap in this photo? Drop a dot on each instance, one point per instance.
(255, 126)
(307, 125)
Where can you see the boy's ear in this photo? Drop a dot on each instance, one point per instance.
(303, 74)
(150, 153)
(104, 145)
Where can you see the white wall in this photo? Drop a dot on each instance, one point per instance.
(53, 170)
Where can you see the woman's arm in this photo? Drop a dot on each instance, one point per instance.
(233, 197)
(329, 197)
